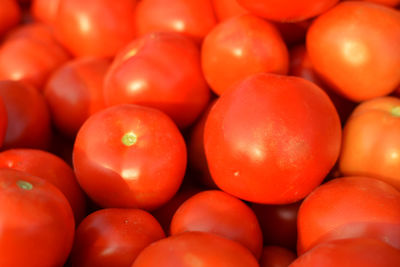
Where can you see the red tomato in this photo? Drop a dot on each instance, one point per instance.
(33, 30)
(10, 15)
(278, 223)
(226, 9)
(36, 222)
(350, 253)
(348, 208)
(272, 139)
(56, 172)
(287, 10)
(114, 237)
(195, 249)
(129, 156)
(160, 70)
(75, 91)
(371, 144)
(27, 115)
(362, 61)
(273, 256)
(193, 18)
(45, 10)
(95, 27)
(219, 213)
(240, 47)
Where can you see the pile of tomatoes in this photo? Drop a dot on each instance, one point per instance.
(189, 133)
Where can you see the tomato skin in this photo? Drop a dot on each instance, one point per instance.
(219, 213)
(189, 248)
(114, 237)
(274, 256)
(27, 115)
(390, 3)
(350, 252)
(272, 139)
(226, 9)
(160, 70)
(287, 10)
(95, 27)
(37, 223)
(129, 156)
(10, 15)
(75, 91)
(364, 207)
(360, 62)
(193, 18)
(240, 47)
(45, 10)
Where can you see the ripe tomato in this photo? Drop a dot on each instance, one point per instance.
(193, 18)
(240, 47)
(36, 222)
(129, 156)
(219, 213)
(45, 10)
(287, 10)
(114, 237)
(27, 115)
(273, 256)
(349, 253)
(195, 249)
(56, 172)
(371, 146)
(349, 207)
(75, 91)
(360, 61)
(160, 70)
(272, 139)
(226, 9)
(95, 27)
(10, 15)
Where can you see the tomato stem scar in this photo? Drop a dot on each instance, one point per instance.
(129, 139)
(396, 111)
(24, 185)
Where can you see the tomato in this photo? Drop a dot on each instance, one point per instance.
(75, 91)
(370, 141)
(95, 27)
(34, 30)
(10, 15)
(36, 222)
(56, 172)
(226, 9)
(45, 10)
(363, 207)
(195, 248)
(274, 256)
(27, 115)
(160, 70)
(219, 213)
(272, 139)
(193, 18)
(240, 47)
(129, 156)
(278, 223)
(362, 61)
(350, 252)
(114, 237)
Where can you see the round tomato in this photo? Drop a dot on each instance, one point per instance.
(45, 10)
(272, 139)
(360, 61)
(129, 156)
(273, 256)
(36, 222)
(226, 9)
(239, 47)
(201, 249)
(114, 237)
(219, 213)
(10, 15)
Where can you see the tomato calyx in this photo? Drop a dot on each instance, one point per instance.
(395, 111)
(24, 185)
(129, 139)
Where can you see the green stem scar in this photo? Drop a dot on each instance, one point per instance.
(129, 139)
(24, 185)
(396, 111)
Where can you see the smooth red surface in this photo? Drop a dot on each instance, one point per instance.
(274, 256)
(45, 10)
(226, 9)
(10, 15)
(391, 3)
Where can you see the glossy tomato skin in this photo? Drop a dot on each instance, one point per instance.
(363, 207)
(56, 172)
(160, 70)
(10, 15)
(226, 9)
(45, 10)
(193, 18)
(114, 237)
(362, 61)
(195, 247)
(287, 10)
(27, 115)
(37, 223)
(240, 47)
(350, 252)
(75, 91)
(274, 256)
(219, 213)
(129, 156)
(272, 139)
